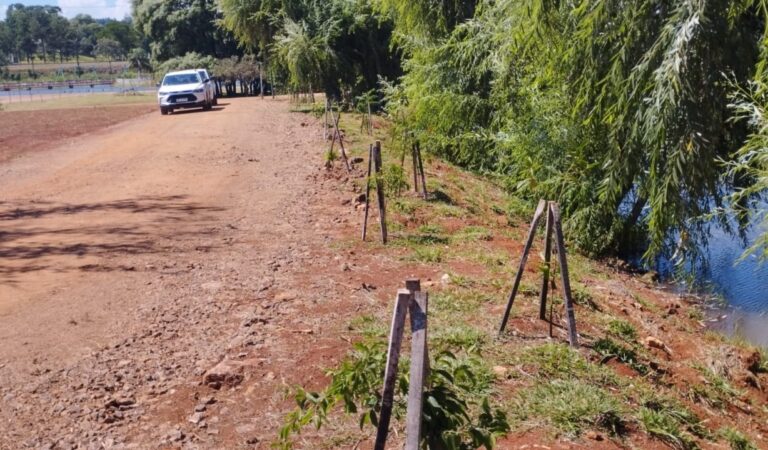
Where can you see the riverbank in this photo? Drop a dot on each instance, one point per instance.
(649, 372)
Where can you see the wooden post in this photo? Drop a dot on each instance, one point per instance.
(569, 313)
(368, 190)
(337, 134)
(414, 285)
(390, 371)
(421, 171)
(419, 364)
(551, 319)
(531, 233)
(370, 120)
(415, 169)
(380, 191)
(547, 265)
(325, 135)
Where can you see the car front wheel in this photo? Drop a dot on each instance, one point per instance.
(163, 110)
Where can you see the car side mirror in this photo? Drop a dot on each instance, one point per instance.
(206, 80)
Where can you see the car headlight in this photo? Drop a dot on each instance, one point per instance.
(161, 93)
(199, 90)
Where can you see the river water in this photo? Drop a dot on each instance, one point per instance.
(743, 284)
(120, 86)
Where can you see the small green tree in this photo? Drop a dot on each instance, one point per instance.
(109, 49)
(138, 59)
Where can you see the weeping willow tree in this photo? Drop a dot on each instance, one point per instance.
(751, 161)
(304, 55)
(336, 45)
(618, 109)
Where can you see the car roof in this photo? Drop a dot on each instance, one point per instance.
(183, 72)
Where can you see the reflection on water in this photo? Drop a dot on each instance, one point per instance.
(748, 324)
(743, 285)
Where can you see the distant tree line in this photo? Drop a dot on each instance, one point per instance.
(30, 32)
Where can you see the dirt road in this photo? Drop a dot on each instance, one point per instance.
(137, 258)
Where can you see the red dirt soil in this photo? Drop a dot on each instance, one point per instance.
(24, 131)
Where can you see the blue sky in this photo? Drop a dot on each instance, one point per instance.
(116, 9)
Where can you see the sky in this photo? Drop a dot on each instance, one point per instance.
(116, 9)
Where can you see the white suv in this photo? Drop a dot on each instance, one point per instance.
(208, 84)
(183, 89)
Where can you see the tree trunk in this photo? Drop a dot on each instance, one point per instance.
(261, 82)
(634, 215)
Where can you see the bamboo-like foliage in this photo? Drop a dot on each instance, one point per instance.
(623, 111)
(617, 109)
(303, 54)
(334, 45)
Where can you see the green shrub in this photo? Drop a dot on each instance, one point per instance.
(457, 411)
(622, 329)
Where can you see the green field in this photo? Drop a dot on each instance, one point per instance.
(81, 101)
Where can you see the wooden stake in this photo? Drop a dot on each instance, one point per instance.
(415, 169)
(414, 285)
(325, 136)
(421, 171)
(370, 120)
(390, 373)
(380, 191)
(418, 314)
(531, 233)
(368, 189)
(337, 133)
(547, 265)
(569, 313)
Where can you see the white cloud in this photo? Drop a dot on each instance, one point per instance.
(116, 9)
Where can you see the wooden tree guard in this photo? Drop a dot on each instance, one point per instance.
(368, 190)
(553, 224)
(415, 302)
(366, 124)
(370, 120)
(374, 159)
(337, 135)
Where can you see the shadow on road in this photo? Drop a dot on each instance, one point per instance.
(46, 235)
(219, 107)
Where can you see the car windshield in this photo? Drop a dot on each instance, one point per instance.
(184, 78)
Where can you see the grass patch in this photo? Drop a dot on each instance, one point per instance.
(462, 281)
(451, 302)
(736, 440)
(717, 390)
(607, 348)
(666, 427)
(474, 233)
(368, 326)
(571, 405)
(559, 361)
(461, 337)
(668, 421)
(623, 330)
(427, 255)
(404, 205)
